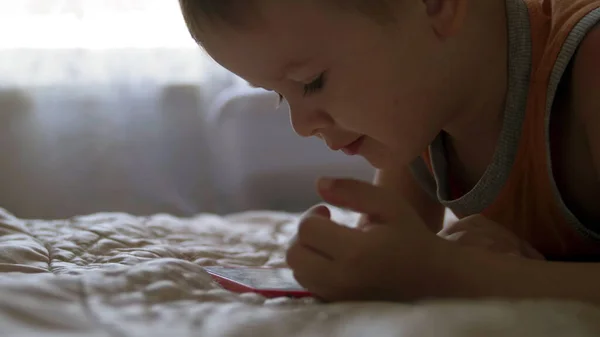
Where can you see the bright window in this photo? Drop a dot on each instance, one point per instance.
(78, 42)
(92, 24)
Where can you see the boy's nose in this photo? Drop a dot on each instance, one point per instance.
(309, 122)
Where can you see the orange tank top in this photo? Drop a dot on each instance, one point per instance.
(518, 189)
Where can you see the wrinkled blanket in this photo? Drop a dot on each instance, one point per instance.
(124, 276)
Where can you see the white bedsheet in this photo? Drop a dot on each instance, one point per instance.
(124, 276)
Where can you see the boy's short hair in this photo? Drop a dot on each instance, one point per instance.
(199, 14)
(238, 13)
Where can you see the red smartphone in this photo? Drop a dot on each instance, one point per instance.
(268, 282)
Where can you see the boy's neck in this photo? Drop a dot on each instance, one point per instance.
(478, 115)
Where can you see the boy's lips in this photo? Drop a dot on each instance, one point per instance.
(353, 148)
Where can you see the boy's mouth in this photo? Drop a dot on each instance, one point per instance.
(353, 148)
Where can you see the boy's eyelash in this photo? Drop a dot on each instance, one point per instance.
(281, 99)
(314, 86)
(310, 88)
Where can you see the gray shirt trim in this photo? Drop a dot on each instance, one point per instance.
(495, 176)
(489, 186)
(564, 59)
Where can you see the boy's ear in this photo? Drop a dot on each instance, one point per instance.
(447, 16)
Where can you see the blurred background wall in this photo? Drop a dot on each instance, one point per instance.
(108, 105)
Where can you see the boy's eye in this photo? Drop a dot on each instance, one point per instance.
(315, 86)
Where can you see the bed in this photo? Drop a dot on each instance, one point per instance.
(114, 274)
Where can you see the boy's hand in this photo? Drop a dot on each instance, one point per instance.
(479, 232)
(378, 262)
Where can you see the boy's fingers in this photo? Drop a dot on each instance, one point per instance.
(324, 236)
(303, 259)
(377, 203)
(319, 210)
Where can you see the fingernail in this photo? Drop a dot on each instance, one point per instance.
(292, 241)
(325, 183)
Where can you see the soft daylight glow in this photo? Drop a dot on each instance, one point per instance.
(92, 24)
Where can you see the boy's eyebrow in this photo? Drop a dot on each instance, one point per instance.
(285, 70)
(293, 66)
(258, 86)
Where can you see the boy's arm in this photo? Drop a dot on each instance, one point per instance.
(586, 89)
(480, 273)
(401, 181)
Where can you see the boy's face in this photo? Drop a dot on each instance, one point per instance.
(345, 76)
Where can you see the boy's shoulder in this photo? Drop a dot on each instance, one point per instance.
(585, 90)
(586, 67)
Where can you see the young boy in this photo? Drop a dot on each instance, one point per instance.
(489, 108)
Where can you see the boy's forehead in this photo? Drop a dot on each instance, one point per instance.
(284, 42)
(260, 54)
(253, 50)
